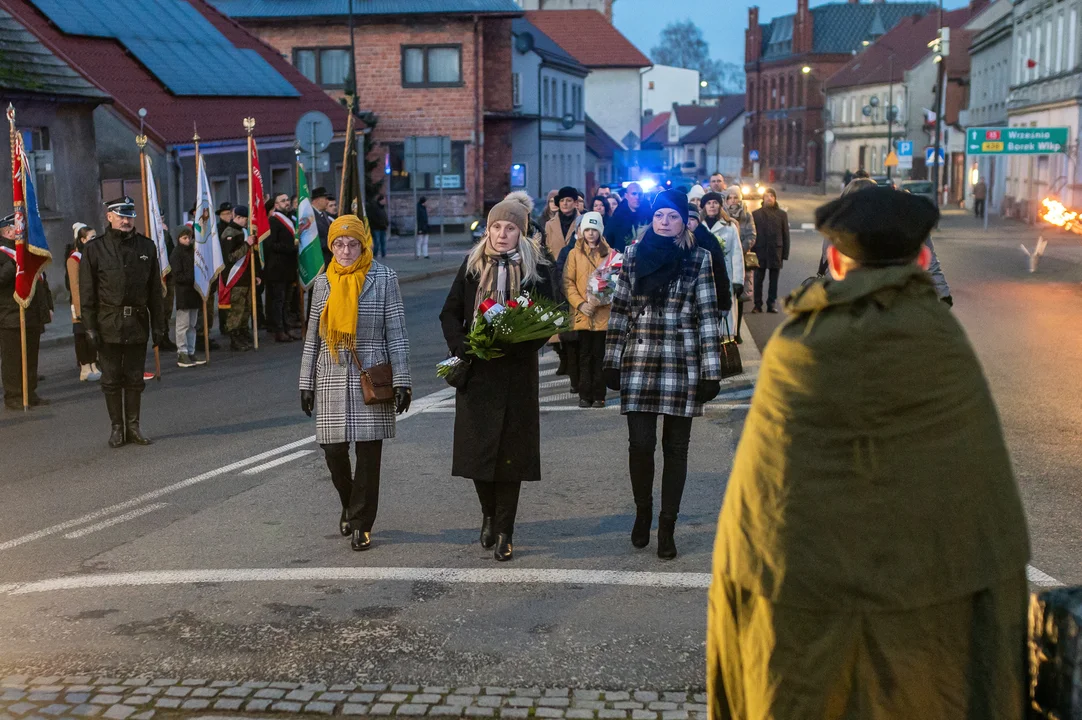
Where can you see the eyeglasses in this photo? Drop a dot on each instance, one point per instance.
(342, 247)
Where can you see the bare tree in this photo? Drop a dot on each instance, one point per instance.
(682, 45)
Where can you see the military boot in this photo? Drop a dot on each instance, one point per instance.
(132, 401)
(115, 405)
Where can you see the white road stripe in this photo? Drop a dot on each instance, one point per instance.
(153, 495)
(116, 520)
(276, 462)
(445, 575)
(1042, 579)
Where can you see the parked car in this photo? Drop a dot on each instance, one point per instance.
(885, 181)
(751, 189)
(920, 187)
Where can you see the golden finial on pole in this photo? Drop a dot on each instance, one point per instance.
(249, 125)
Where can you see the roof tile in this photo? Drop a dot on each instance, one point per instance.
(28, 66)
(589, 37)
(275, 9)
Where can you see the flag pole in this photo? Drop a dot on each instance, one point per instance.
(206, 326)
(141, 141)
(22, 310)
(345, 157)
(249, 125)
(300, 281)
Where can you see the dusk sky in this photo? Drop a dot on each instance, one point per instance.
(722, 21)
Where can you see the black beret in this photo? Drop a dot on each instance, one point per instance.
(240, 211)
(877, 226)
(319, 192)
(225, 207)
(674, 199)
(567, 192)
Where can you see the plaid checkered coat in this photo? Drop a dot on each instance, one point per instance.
(341, 415)
(663, 352)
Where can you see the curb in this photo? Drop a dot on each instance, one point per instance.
(62, 340)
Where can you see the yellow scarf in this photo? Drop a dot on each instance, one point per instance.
(338, 323)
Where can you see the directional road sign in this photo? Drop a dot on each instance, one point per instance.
(1016, 140)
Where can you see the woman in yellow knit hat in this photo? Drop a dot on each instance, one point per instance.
(358, 324)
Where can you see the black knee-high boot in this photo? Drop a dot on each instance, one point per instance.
(642, 488)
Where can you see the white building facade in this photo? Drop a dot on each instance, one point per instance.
(861, 141)
(1048, 94)
(664, 86)
(990, 72)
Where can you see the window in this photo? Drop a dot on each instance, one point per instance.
(516, 89)
(547, 110)
(453, 180)
(242, 189)
(39, 152)
(1072, 62)
(327, 67)
(219, 188)
(563, 100)
(702, 159)
(431, 65)
(282, 180)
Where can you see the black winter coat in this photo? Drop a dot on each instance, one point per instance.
(37, 315)
(621, 229)
(279, 254)
(182, 260)
(772, 237)
(707, 241)
(120, 271)
(497, 415)
(377, 216)
(422, 219)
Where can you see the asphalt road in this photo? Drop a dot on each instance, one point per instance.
(233, 485)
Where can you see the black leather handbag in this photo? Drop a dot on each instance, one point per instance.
(730, 354)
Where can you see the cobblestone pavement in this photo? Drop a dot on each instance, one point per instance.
(142, 698)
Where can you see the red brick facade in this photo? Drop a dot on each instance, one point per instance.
(457, 112)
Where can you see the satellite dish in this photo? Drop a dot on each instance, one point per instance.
(524, 42)
(314, 132)
(829, 136)
(568, 121)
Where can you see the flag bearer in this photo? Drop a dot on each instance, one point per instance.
(235, 285)
(121, 297)
(37, 315)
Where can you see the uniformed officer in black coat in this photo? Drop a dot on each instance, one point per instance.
(37, 315)
(121, 292)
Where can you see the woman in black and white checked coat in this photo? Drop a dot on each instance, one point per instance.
(662, 354)
(356, 302)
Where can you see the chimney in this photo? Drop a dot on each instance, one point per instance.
(753, 36)
(854, 2)
(608, 11)
(802, 28)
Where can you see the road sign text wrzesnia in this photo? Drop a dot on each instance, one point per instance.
(1016, 141)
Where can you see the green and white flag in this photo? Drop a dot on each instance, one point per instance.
(311, 254)
(208, 251)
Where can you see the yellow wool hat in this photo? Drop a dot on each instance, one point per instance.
(350, 226)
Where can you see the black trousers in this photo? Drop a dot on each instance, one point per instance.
(642, 440)
(500, 501)
(591, 358)
(978, 207)
(277, 304)
(122, 367)
(11, 362)
(358, 490)
(772, 292)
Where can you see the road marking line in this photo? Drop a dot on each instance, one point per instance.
(116, 520)
(1042, 579)
(276, 462)
(445, 575)
(153, 495)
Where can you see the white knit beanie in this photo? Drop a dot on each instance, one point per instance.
(592, 220)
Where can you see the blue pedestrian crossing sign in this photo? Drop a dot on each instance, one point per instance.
(753, 155)
(928, 152)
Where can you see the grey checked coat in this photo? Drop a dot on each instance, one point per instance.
(341, 415)
(663, 352)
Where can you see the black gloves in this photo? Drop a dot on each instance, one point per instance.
(738, 289)
(707, 390)
(403, 396)
(159, 337)
(612, 379)
(308, 401)
(948, 299)
(92, 343)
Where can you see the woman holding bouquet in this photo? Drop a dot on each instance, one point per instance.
(361, 322)
(662, 354)
(591, 313)
(497, 421)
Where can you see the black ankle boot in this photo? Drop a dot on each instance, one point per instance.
(666, 544)
(488, 532)
(361, 540)
(504, 551)
(115, 405)
(640, 532)
(343, 523)
(132, 401)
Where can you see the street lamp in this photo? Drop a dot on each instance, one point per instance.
(823, 132)
(806, 70)
(703, 83)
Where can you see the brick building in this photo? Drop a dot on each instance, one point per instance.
(424, 69)
(784, 120)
